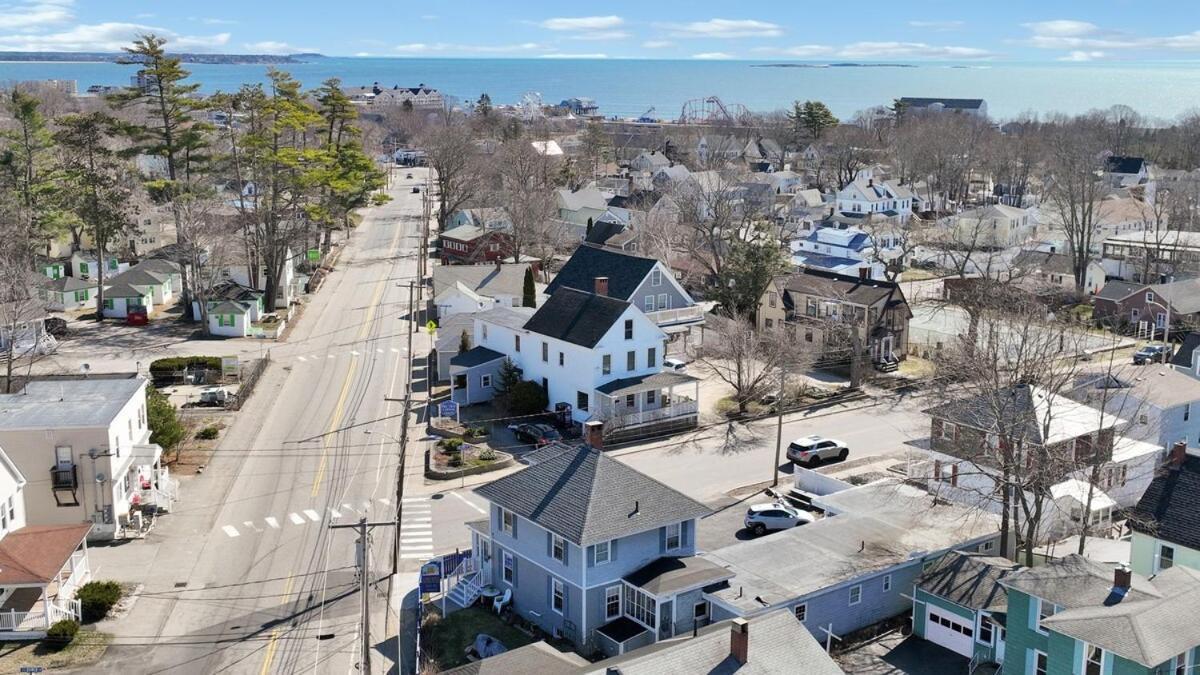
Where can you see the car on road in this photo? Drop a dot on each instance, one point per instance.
(813, 450)
(408, 176)
(674, 365)
(537, 434)
(416, 190)
(1151, 354)
(761, 518)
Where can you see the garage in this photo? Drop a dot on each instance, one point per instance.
(950, 631)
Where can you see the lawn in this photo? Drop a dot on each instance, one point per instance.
(87, 649)
(444, 641)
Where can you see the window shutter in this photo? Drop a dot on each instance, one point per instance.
(566, 553)
(685, 533)
(612, 550)
(514, 532)
(662, 539)
(590, 556)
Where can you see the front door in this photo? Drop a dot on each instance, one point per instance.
(666, 620)
(999, 644)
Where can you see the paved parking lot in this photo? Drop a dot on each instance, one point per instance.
(725, 525)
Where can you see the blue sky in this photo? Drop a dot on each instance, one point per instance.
(867, 30)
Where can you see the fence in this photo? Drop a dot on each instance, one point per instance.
(250, 376)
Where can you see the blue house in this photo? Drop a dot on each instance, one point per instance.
(591, 550)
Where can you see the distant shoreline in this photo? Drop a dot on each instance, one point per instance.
(832, 65)
(104, 57)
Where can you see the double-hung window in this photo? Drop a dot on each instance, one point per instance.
(602, 552)
(507, 563)
(557, 595)
(1166, 557)
(1040, 663)
(674, 536)
(1045, 611)
(558, 548)
(1093, 660)
(651, 357)
(855, 594)
(606, 364)
(612, 602)
(508, 521)
(545, 351)
(656, 278)
(631, 361)
(628, 329)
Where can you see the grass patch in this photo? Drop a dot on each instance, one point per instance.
(445, 640)
(917, 274)
(87, 648)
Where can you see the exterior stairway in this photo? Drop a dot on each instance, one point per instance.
(466, 591)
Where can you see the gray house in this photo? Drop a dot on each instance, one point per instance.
(644, 282)
(853, 568)
(591, 550)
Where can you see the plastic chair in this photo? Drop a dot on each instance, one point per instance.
(499, 603)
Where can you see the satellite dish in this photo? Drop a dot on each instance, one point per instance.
(100, 477)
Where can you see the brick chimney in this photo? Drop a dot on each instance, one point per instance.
(1122, 577)
(1177, 455)
(601, 286)
(739, 640)
(593, 434)
(864, 273)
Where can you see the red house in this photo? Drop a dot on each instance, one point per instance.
(469, 245)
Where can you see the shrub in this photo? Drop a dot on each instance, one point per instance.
(208, 433)
(96, 598)
(451, 445)
(174, 364)
(478, 431)
(526, 398)
(165, 428)
(455, 460)
(487, 455)
(61, 633)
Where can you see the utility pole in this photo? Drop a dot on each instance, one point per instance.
(363, 560)
(779, 425)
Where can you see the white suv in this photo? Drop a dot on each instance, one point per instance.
(775, 516)
(813, 450)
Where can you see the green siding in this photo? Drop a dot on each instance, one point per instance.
(924, 598)
(1021, 636)
(1144, 548)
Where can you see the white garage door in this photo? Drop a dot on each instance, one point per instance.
(950, 631)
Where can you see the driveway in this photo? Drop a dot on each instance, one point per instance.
(894, 654)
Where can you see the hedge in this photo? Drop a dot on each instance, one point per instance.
(96, 598)
(175, 364)
(61, 633)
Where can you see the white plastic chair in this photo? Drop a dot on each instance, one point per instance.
(499, 603)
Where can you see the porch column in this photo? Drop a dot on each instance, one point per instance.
(45, 608)
(670, 395)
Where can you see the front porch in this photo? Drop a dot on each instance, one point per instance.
(648, 404)
(41, 568)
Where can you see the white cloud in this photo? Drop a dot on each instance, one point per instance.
(33, 14)
(557, 55)
(938, 25)
(859, 50)
(582, 23)
(275, 47)
(799, 51)
(726, 28)
(362, 54)
(108, 37)
(218, 22)
(657, 44)
(602, 35)
(441, 47)
(713, 56)
(1082, 56)
(1062, 27)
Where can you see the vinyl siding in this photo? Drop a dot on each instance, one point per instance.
(1145, 549)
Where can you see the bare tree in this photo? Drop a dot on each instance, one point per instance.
(893, 243)
(21, 310)
(847, 150)
(453, 156)
(1074, 161)
(526, 193)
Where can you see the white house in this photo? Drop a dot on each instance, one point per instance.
(288, 288)
(1161, 403)
(123, 299)
(154, 285)
(849, 251)
(649, 161)
(1041, 270)
(89, 441)
(466, 289)
(965, 436)
(713, 148)
(229, 319)
(85, 264)
(41, 566)
(582, 205)
(995, 226)
(1125, 256)
(597, 356)
(68, 293)
(883, 198)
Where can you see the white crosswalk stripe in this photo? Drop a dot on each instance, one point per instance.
(301, 359)
(296, 518)
(231, 531)
(312, 515)
(353, 352)
(272, 522)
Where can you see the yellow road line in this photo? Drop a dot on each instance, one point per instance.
(273, 643)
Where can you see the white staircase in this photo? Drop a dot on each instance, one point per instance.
(466, 591)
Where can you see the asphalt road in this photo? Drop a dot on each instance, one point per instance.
(246, 576)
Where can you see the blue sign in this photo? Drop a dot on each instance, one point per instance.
(32, 669)
(431, 577)
(448, 409)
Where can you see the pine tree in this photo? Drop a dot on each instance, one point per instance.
(528, 290)
(816, 118)
(464, 342)
(27, 165)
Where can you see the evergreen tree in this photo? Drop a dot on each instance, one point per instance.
(816, 117)
(464, 342)
(748, 270)
(484, 105)
(528, 290)
(27, 166)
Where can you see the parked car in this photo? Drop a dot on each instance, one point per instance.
(538, 434)
(813, 450)
(1152, 354)
(760, 518)
(674, 365)
(408, 176)
(416, 190)
(215, 396)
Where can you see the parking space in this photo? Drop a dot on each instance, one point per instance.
(726, 525)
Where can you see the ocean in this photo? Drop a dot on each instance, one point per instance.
(627, 88)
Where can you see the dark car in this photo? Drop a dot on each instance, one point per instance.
(1152, 354)
(538, 434)
(408, 176)
(416, 190)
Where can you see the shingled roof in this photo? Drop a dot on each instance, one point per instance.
(1170, 508)
(586, 497)
(625, 271)
(576, 317)
(969, 579)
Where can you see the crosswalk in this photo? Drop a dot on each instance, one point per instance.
(416, 529)
(305, 517)
(316, 358)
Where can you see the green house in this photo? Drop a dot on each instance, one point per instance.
(1073, 616)
(1166, 521)
(959, 604)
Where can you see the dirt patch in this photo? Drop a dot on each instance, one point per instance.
(88, 647)
(192, 452)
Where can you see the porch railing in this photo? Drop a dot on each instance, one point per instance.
(681, 409)
(70, 609)
(678, 315)
(80, 575)
(12, 619)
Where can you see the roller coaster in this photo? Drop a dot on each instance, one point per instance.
(712, 110)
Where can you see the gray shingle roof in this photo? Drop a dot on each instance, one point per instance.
(476, 356)
(1075, 581)
(586, 497)
(625, 271)
(228, 307)
(576, 317)
(70, 284)
(1170, 507)
(138, 277)
(537, 657)
(663, 379)
(1118, 290)
(123, 291)
(969, 579)
(489, 280)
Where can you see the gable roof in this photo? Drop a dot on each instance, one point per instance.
(123, 291)
(228, 307)
(536, 657)
(969, 579)
(1183, 357)
(1043, 261)
(469, 233)
(489, 280)
(159, 266)
(475, 356)
(137, 277)
(69, 284)
(1075, 581)
(1029, 414)
(1117, 291)
(951, 103)
(843, 287)
(625, 271)
(586, 496)
(1122, 164)
(585, 198)
(1170, 507)
(576, 317)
